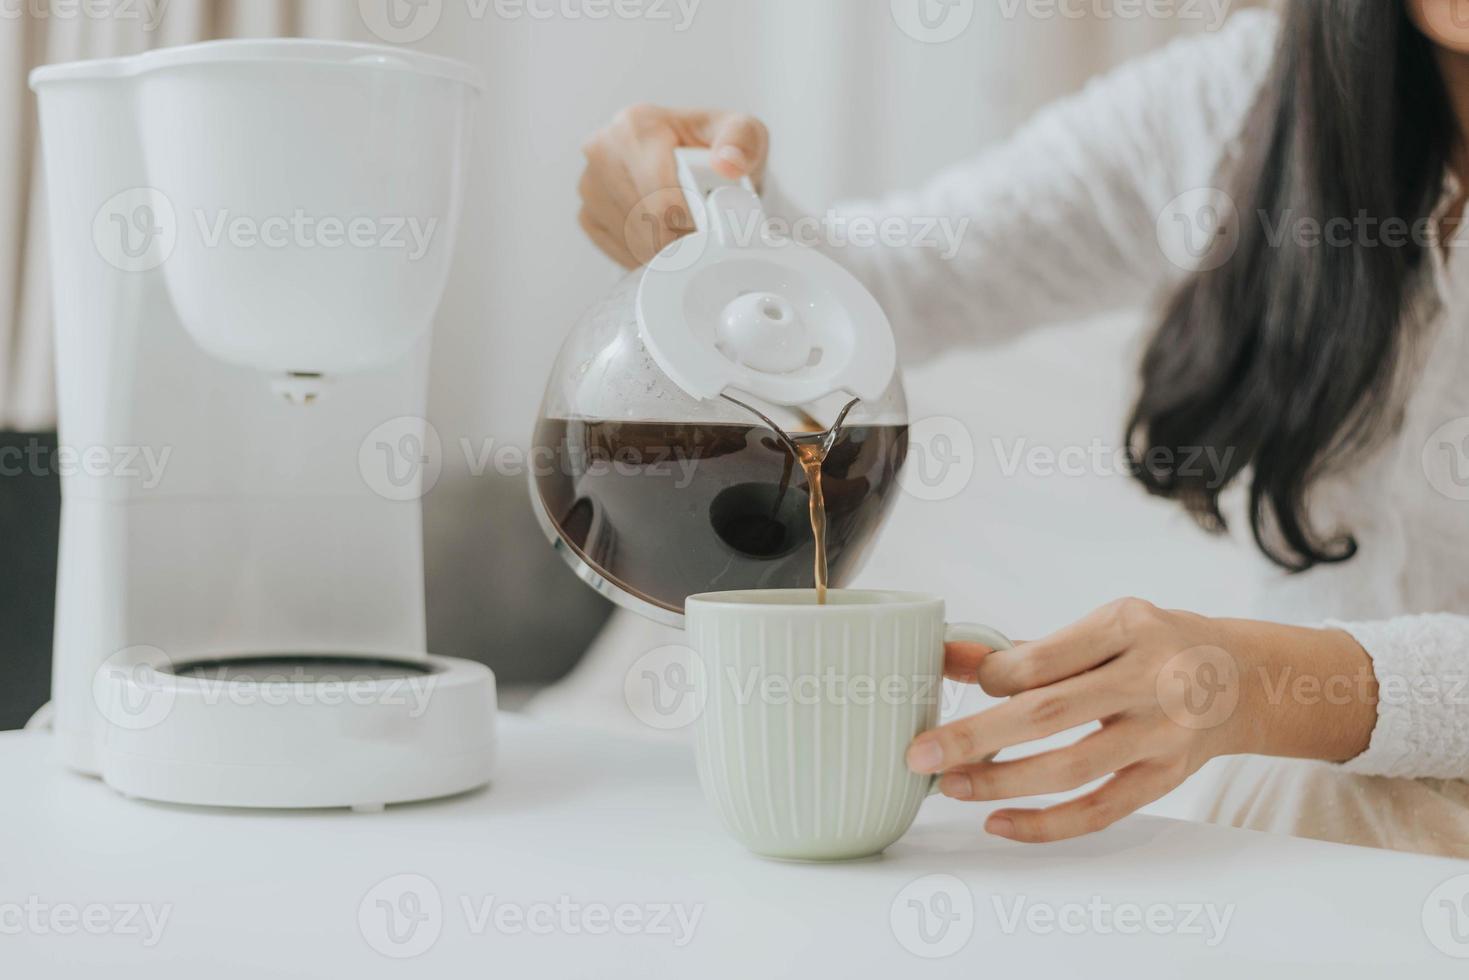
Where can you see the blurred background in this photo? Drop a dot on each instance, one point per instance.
(856, 106)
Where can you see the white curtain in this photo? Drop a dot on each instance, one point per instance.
(40, 32)
(857, 107)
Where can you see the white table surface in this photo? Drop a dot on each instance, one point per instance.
(595, 823)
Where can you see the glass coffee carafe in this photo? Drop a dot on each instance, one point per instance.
(730, 417)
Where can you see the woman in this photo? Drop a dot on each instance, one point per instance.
(1304, 385)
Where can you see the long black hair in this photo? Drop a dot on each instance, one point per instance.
(1281, 361)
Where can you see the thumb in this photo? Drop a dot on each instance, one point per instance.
(739, 144)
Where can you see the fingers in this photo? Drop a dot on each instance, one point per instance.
(739, 146)
(1082, 646)
(1023, 718)
(611, 245)
(962, 660)
(631, 207)
(1125, 793)
(632, 204)
(1105, 751)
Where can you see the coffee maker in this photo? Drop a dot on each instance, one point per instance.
(249, 241)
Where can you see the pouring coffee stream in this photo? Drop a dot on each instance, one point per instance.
(684, 410)
(810, 456)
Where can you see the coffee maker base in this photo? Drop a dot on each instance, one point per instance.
(297, 731)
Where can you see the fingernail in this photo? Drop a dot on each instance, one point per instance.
(925, 756)
(735, 157)
(956, 784)
(1000, 826)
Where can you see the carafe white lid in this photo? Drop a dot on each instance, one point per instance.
(730, 307)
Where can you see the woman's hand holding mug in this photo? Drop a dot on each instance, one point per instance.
(631, 203)
(1171, 691)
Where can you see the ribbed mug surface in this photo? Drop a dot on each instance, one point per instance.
(807, 712)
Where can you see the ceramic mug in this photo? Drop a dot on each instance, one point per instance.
(808, 711)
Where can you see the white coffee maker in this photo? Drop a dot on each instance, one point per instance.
(249, 241)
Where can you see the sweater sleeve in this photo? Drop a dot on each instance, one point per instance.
(1422, 669)
(1062, 220)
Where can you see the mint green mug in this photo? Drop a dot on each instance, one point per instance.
(808, 710)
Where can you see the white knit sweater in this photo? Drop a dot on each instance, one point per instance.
(1063, 223)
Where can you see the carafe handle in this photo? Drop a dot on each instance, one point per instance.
(729, 210)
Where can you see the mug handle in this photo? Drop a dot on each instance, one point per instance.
(970, 633)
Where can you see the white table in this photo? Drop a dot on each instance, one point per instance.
(582, 834)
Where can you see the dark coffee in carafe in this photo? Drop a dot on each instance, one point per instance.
(669, 509)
